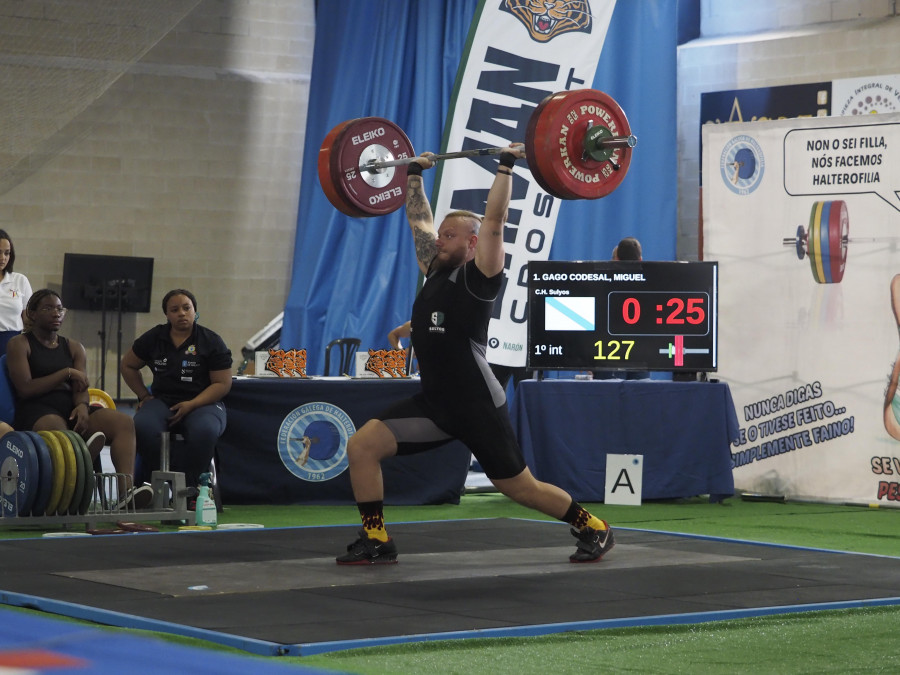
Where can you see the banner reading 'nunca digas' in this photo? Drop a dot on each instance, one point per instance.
(803, 216)
(514, 59)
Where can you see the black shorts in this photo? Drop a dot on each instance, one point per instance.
(56, 402)
(481, 427)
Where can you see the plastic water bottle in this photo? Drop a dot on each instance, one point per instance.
(205, 511)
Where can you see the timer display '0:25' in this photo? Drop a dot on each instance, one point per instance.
(658, 313)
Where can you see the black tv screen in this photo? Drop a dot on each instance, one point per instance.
(107, 282)
(588, 315)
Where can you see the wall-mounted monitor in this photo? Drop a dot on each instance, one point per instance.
(113, 283)
(618, 315)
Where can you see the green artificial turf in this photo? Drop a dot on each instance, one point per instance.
(845, 641)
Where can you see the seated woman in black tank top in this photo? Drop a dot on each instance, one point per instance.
(48, 374)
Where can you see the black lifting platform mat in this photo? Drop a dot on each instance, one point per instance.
(279, 591)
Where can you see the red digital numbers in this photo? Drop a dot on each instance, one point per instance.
(693, 311)
(679, 311)
(658, 313)
(631, 311)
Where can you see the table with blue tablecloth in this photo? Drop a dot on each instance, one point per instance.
(683, 430)
(285, 443)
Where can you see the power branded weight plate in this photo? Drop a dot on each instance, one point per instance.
(563, 144)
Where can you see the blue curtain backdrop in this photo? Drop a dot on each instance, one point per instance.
(398, 60)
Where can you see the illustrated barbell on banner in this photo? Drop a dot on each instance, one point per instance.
(827, 241)
(578, 146)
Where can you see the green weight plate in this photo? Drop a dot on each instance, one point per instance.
(814, 242)
(80, 470)
(88, 491)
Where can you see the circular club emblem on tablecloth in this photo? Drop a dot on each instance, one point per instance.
(312, 441)
(742, 164)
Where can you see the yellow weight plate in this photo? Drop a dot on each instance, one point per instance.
(71, 475)
(101, 398)
(59, 470)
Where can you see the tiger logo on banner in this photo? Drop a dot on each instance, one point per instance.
(546, 20)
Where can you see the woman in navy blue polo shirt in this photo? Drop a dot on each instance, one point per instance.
(191, 368)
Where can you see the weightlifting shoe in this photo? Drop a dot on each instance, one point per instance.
(366, 551)
(592, 544)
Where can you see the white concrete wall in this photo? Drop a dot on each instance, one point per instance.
(728, 17)
(171, 129)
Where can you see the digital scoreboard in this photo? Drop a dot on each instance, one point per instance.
(617, 315)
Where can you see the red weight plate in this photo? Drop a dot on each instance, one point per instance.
(838, 233)
(537, 144)
(531, 153)
(558, 144)
(361, 140)
(329, 187)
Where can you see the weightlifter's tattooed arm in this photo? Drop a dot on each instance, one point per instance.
(421, 222)
(489, 255)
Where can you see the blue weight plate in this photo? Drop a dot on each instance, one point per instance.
(44, 474)
(18, 474)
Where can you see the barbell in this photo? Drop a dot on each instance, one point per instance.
(827, 240)
(577, 144)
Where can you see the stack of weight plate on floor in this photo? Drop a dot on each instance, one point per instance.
(45, 473)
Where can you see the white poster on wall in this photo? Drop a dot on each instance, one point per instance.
(803, 216)
(873, 94)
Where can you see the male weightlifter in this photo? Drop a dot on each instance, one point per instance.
(460, 397)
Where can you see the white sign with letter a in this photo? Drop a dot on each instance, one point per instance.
(624, 479)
